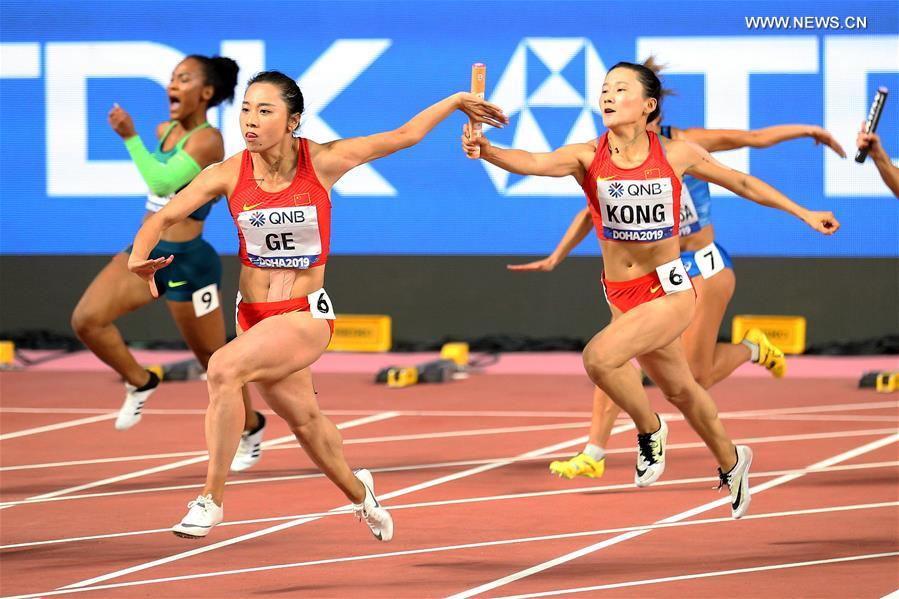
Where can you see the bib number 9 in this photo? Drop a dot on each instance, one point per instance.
(206, 300)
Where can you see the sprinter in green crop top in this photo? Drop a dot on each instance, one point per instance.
(187, 144)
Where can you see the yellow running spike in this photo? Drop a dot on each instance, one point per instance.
(579, 465)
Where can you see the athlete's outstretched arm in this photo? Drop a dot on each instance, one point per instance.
(164, 178)
(889, 172)
(567, 160)
(341, 155)
(207, 186)
(578, 229)
(716, 140)
(702, 166)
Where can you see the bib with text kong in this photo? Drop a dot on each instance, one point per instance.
(640, 204)
(636, 210)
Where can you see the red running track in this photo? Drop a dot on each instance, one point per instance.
(463, 466)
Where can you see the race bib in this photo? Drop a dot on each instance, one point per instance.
(673, 277)
(689, 217)
(320, 305)
(636, 210)
(205, 299)
(156, 203)
(709, 261)
(281, 237)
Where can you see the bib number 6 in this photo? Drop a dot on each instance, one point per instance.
(320, 305)
(673, 277)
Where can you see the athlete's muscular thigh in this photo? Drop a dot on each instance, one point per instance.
(292, 398)
(667, 367)
(647, 327)
(115, 291)
(272, 349)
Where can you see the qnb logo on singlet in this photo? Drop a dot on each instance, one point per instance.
(636, 210)
(689, 217)
(281, 237)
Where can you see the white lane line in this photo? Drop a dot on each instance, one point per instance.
(447, 548)
(131, 458)
(823, 417)
(335, 412)
(58, 426)
(279, 527)
(745, 414)
(474, 432)
(842, 457)
(463, 413)
(670, 447)
(635, 583)
(181, 463)
(289, 442)
(477, 499)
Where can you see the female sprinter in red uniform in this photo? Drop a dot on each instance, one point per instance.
(632, 180)
(187, 144)
(278, 191)
(711, 270)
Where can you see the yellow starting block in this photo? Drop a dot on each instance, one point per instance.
(402, 377)
(786, 332)
(456, 352)
(7, 354)
(887, 382)
(158, 370)
(362, 333)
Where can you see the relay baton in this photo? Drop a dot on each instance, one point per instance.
(880, 99)
(478, 85)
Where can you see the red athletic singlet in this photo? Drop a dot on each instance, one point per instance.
(287, 229)
(636, 204)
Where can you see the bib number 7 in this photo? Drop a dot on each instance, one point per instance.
(709, 261)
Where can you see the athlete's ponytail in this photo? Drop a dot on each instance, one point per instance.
(656, 67)
(290, 91)
(221, 73)
(652, 86)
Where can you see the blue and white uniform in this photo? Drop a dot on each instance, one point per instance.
(696, 214)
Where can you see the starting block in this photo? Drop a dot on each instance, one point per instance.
(158, 370)
(456, 352)
(882, 382)
(452, 364)
(402, 377)
(887, 382)
(7, 354)
(436, 371)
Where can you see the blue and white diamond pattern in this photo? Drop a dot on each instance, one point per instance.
(510, 93)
